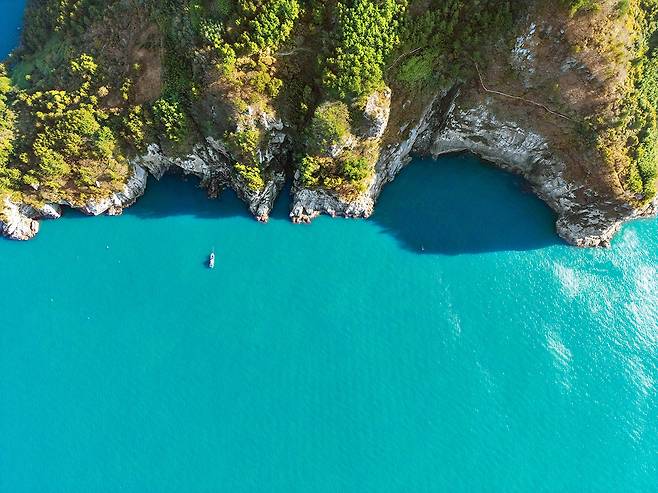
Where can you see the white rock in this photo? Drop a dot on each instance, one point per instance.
(132, 190)
(16, 225)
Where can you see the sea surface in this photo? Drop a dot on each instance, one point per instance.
(11, 17)
(450, 343)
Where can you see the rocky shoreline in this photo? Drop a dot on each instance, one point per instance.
(586, 218)
(21, 221)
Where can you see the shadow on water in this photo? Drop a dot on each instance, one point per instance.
(459, 204)
(450, 206)
(174, 195)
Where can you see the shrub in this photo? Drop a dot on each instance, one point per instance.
(171, 119)
(329, 126)
(251, 175)
(416, 69)
(244, 144)
(310, 168)
(355, 168)
(133, 127)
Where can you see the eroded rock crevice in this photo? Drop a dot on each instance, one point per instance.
(586, 216)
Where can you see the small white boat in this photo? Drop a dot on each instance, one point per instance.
(211, 260)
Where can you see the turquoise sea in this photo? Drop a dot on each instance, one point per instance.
(450, 343)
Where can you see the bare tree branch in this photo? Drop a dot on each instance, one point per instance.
(402, 56)
(518, 98)
(293, 51)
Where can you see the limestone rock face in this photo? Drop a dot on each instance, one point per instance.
(377, 113)
(19, 221)
(114, 204)
(46, 211)
(212, 163)
(519, 131)
(310, 203)
(15, 224)
(535, 96)
(586, 218)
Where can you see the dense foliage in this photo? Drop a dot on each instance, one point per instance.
(97, 80)
(367, 32)
(9, 176)
(441, 42)
(628, 134)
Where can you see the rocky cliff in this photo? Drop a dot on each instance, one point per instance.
(552, 96)
(587, 216)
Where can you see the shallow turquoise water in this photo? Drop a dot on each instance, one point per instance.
(450, 343)
(331, 357)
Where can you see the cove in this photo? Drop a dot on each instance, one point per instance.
(450, 343)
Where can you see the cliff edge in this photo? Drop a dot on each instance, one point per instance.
(334, 95)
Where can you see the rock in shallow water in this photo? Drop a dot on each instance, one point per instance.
(14, 224)
(132, 190)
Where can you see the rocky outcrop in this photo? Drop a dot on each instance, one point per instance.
(115, 203)
(209, 161)
(19, 221)
(520, 135)
(310, 203)
(212, 164)
(15, 223)
(587, 217)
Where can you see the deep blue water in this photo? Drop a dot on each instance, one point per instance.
(11, 17)
(450, 343)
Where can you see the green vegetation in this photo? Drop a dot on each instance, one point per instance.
(330, 125)
(171, 119)
(440, 42)
(367, 33)
(244, 145)
(9, 176)
(97, 80)
(228, 45)
(627, 134)
(577, 6)
(335, 158)
(73, 111)
(68, 141)
(57, 140)
(640, 106)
